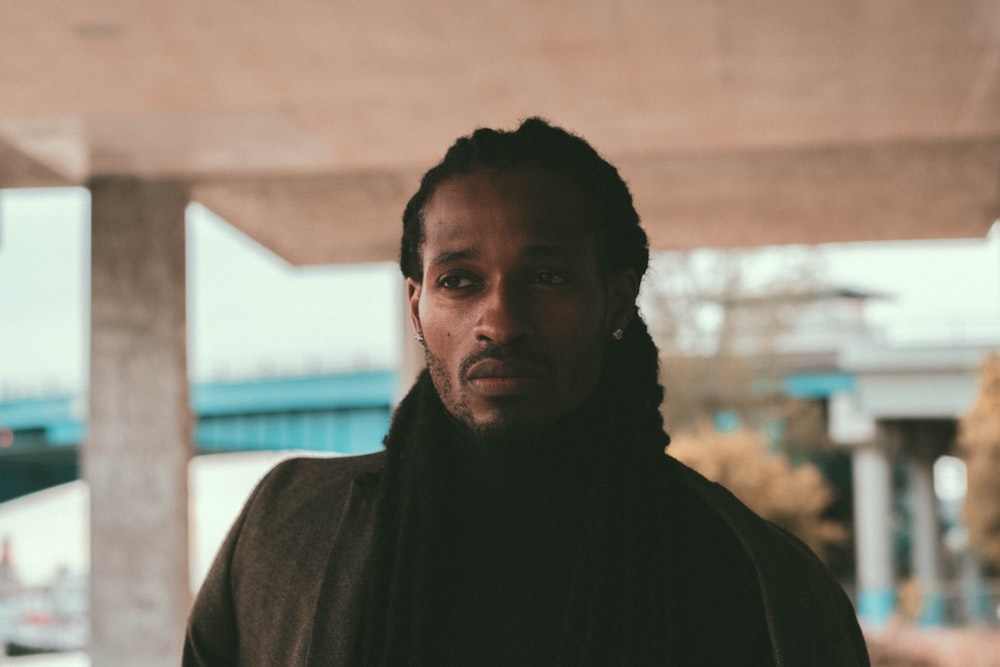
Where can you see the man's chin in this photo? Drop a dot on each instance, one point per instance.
(503, 428)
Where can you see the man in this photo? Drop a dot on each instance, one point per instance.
(524, 511)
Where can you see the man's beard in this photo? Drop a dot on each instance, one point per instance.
(493, 430)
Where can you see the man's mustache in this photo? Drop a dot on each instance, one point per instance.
(496, 353)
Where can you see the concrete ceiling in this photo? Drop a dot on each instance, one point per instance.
(306, 123)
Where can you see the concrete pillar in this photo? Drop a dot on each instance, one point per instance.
(926, 560)
(873, 529)
(139, 427)
(977, 607)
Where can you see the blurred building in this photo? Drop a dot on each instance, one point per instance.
(892, 411)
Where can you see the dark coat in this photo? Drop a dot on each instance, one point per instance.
(288, 583)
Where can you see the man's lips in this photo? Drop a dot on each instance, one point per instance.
(503, 368)
(503, 377)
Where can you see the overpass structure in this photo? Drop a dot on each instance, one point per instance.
(305, 124)
(334, 413)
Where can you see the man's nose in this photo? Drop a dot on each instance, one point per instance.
(503, 315)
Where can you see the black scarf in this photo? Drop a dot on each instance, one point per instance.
(628, 587)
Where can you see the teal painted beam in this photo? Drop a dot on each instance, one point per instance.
(34, 413)
(339, 391)
(818, 385)
(362, 392)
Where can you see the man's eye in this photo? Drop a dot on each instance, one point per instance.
(454, 282)
(550, 278)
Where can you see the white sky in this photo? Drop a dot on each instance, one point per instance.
(251, 313)
(947, 291)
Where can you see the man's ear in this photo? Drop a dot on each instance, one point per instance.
(413, 300)
(623, 290)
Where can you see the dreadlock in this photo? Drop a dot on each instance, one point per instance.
(629, 392)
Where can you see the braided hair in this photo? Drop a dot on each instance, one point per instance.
(629, 392)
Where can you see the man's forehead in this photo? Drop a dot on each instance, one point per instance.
(529, 198)
(459, 252)
(470, 235)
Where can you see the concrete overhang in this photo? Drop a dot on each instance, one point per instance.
(306, 124)
(874, 359)
(933, 382)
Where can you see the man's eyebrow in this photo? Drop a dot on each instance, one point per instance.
(542, 250)
(449, 256)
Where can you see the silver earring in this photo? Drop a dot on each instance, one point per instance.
(419, 337)
(617, 334)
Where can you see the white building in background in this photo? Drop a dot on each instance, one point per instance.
(895, 408)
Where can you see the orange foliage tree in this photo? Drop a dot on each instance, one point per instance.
(794, 497)
(979, 442)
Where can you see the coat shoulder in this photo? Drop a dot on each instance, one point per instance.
(810, 617)
(260, 599)
(302, 490)
(325, 472)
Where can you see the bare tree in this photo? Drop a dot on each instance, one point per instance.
(718, 318)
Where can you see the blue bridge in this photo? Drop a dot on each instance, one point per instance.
(344, 413)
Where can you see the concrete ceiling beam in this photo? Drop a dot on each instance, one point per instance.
(911, 190)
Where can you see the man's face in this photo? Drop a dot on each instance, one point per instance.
(514, 305)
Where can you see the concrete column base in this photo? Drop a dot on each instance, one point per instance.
(873, 530)
(925, 554)
(876, 606)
